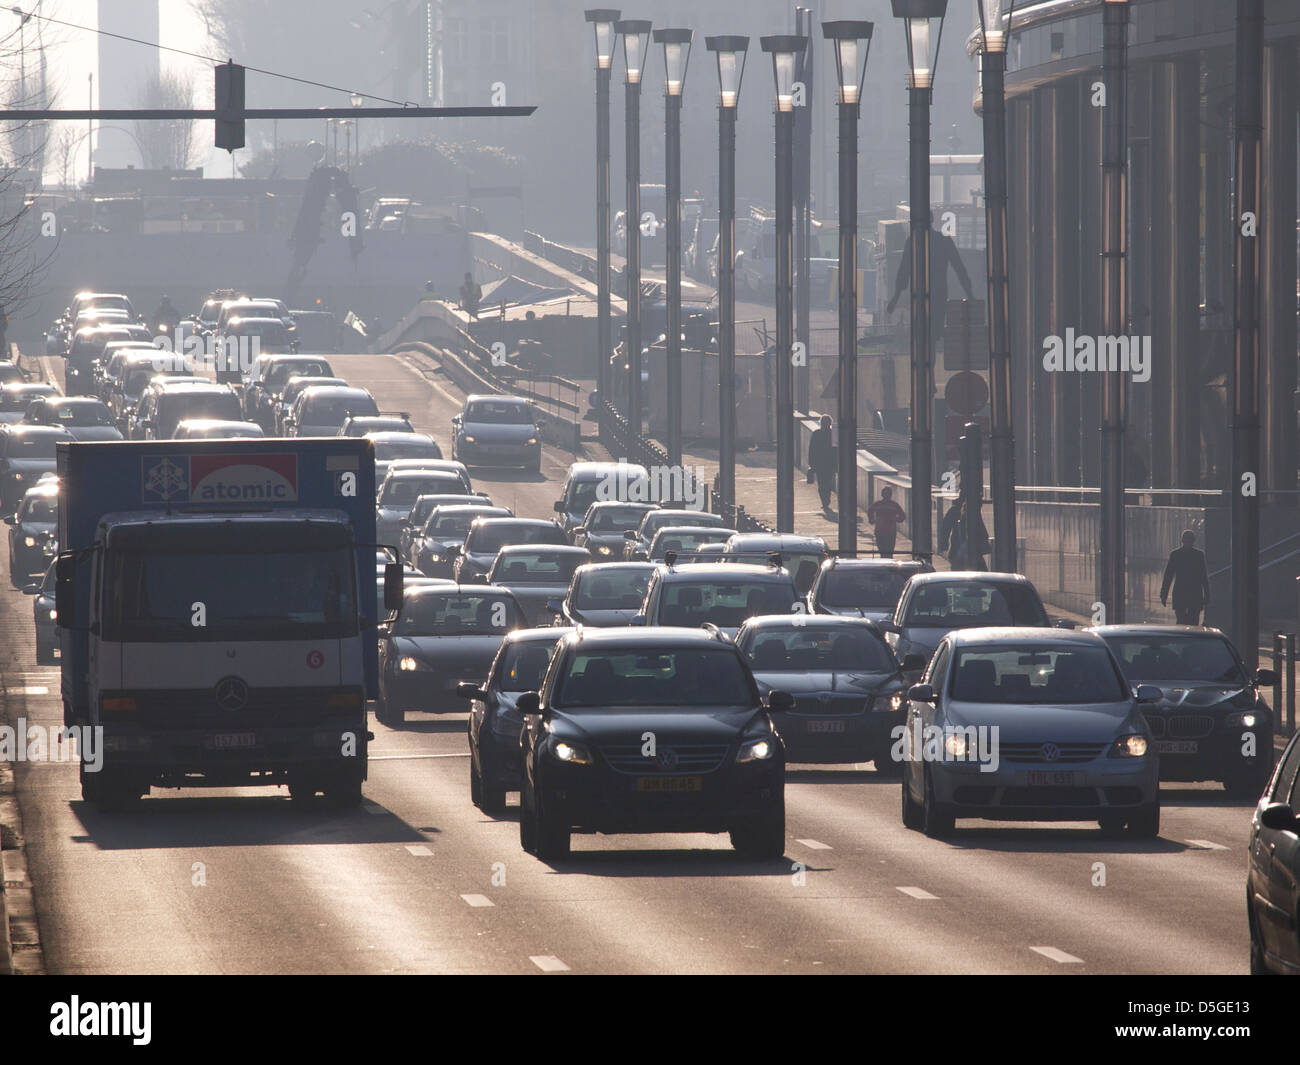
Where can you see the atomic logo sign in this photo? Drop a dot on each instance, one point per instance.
(217, 479)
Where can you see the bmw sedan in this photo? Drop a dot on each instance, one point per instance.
(848, 688)
(440, 638)
(487, 536)
(1028, 725)
(495, 725)
(1210, 722)
(651, 731)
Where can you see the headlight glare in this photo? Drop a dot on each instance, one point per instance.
(756, 751)
(573, 753)
(1132, 745)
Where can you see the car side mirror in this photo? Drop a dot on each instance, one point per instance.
(921, 693)
(32, 589)
(394, 578)
(558, 506)
(529, 703)
(1148, 693)
(629, 534)
(780, 702)
(1279, 817)
(1265, 677)
(11, 519)
(468, 690)
(637, 619)
(913, 663)
(1064, 623)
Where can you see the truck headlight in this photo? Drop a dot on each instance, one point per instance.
(573, 753)
(1132, 745)
(756, 751)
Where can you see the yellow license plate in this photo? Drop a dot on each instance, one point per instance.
(671, 784)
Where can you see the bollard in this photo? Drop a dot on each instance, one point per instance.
(1290, 681)
(1278, 655)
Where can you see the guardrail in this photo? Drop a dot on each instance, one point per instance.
(541, 388)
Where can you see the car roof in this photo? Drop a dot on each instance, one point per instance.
(622, 503)
(539, 635)
(216, 423)
(257, 319)
(605, 567)
(81, 401)
(805, 621)
(1156, 630)
(387, 436)
(461, 591)
(583, 470)
(726, 571)
(443, 509)
(1022, 634)
(518, 521)
(655, 635)
(28, 429)
(440, 472)
(836, 562)
(495, 398)
(561, 549)
(759, 541)
(337, 390)
(171, 385)
(959, 576)
(31, 386)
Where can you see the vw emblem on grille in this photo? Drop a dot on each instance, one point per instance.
(231, 693)
(667, 758)
(1050, 752)
(823, 697)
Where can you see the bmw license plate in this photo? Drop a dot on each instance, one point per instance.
(825, 726)
(1055, 778)
(668, 784)
(1176, 746)
(232, 741)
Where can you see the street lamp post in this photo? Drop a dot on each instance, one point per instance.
(852, 42)
(730, 52)
(785, 52)
(803, 205)
(357, 100)
(677, 54)
(1114, 142)
(603, 20)
(636, 38)
(1002, 457)
(923, 23)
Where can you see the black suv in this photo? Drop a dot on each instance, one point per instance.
(658, 730)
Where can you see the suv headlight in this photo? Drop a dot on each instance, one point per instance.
(756, 750)
(1132, 745)
(573, 753)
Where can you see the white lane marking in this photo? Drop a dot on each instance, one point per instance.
(917, 893)
(1207, 845)
(478, 900)
(1052, 954)
(419, 850)
(410, 757)
(813, 845)
(548, 963)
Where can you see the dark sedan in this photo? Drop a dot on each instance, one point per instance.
(605, 525)
(1273, 871)
(27, 452)
(487, 536)
(604, 596)
(849, 689)
(32, 532)
(495, 764)
(651, 731)
(433, 548)
(1211, 722)
(85, 417)
(441, 637)
(862, 587)
(537, 575)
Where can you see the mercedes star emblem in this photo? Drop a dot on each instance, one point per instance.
(232, 693)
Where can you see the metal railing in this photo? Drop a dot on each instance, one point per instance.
(1284, 680)
(542, 388)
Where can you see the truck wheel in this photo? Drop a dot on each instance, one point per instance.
(344, 791)
(302, 792)
(763, 836)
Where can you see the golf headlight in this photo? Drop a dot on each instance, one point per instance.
(1132, 745)
(30, 541)
(1246, 719)
(573, 753)
(604, 549)
(756, 751)
(958, 745)
(407, 664)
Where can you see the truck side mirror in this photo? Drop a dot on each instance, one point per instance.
(393, 586)
(65, 592)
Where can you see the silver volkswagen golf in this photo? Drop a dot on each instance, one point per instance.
(1028, 724)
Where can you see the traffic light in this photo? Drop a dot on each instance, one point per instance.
(230, 98)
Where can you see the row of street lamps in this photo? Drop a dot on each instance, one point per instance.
(851, 40)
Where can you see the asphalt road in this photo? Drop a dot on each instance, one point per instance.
(418, 880)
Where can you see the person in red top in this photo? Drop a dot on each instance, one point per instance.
(885, 515)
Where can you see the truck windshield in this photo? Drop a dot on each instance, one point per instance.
(157, 595)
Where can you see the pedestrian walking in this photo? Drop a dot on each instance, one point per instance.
(471, 294)
(885, 516)
(821, 461)
(1190, 580)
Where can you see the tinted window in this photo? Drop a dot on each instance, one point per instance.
(494, 538)
(876, 589)
(416, 449)
(687, 678)
(807, 649)
(1041, 677)
(523, 665)
(537, 567)
(724, 603)
(611, 589)
(39, 508)
(687, 541)
(458, 615)
(492, 412)
(78, 414)
(405, 491)
(608, 519)
(971, 604)
(331, 410)
(1180, 658)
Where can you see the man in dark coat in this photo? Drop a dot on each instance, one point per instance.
(1190, 579)
(821, 461)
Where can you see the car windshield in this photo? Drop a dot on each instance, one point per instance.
(1186, 659)
(80, 414)
(458, 615)
(15, 399)
(1044, 677)
(609, 487)
(608, 519)
(536, 567)
(493, 412)
(33, 445)
(223, 406)
(279, 374)
(452, 526)
(269, 332)
(523, 665)
(404, 491)
(656, 520)
(387, 451)
(972, 604)
(870, 589)
(683, 678)
(40, 508)
(611, 589)
(331, 410)
(810, 649)
(490, 539)
(724, 603)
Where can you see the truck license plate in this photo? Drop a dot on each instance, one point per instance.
(229, 741)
